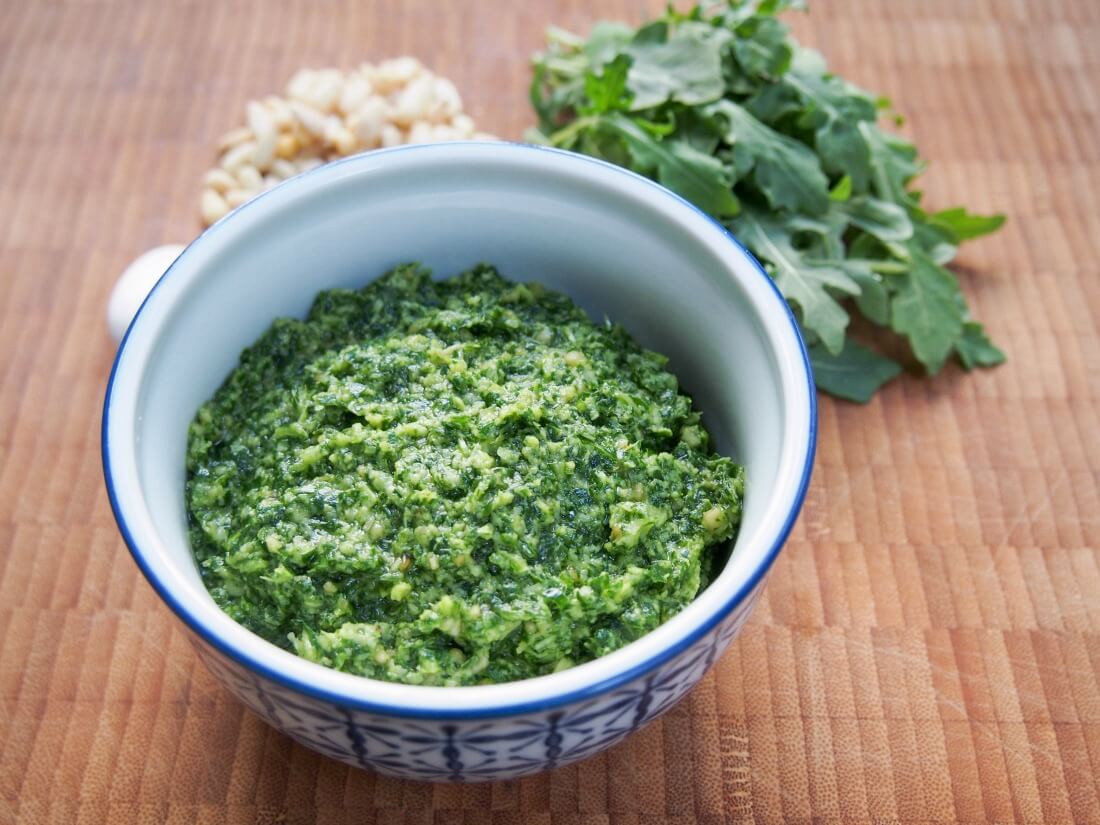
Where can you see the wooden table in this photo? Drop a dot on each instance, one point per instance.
(928, 648)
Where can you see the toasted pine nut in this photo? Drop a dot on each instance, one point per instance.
(263, 127)
(420, 133)
(328, 86)
(446, 102)
(301, 85)
(280, 112)
(356, 91)
(464, 125)
(329, 113)
(415, 102)
(233, 138)
(212, 206)
(259, 118)
(368, 120)
(391, 135)
(284, 169)
(393, 74)
(219, 180)
(310, 119)
(236, 197)
(249, 178)
(342, 140)
(239, 155)
(286, 146)
(443, 132)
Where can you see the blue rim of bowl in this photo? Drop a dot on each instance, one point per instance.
(499, 709)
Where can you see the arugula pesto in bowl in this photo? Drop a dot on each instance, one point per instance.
(622, 247)
(453, 483)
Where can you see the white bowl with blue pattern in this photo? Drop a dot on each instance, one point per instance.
(621, 246)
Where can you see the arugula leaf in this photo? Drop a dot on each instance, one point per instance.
(761, 49)
(842, 189)
(855, 373)
(893, 163)
(605, 42)
(975, 349)
(720, 104)
(697, 129)
(834, 111)
(700, 178)
(886, 221)
(806, 283)
(686, 68)
(934, 240)
(773, 102)
(786, 172)
(873, 299)
(962, 225)
(607, 91)
(739, 11)
(925, 310)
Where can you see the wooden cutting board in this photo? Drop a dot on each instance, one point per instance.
(928, 648)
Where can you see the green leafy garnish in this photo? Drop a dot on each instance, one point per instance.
(803, 281)
(684, 66)
(975, 349)
(785, 171)
(722, 106)
(854, 373)
(926, 310)
(963, 226)
(699, 177)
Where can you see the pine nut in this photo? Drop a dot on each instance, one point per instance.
(446, 101)
(328, 86)
(212, 206)
(415, 102)
(237, 197)
(301, 85)
(284, 169)
(328, 113)
(443, 132)
(233, 138)
(310, 119)
(280, 112)
(342, 140)
(219, 180)
(356, 92)
(238, 156)
(263, 127)
(420, 133)
(391, 135)
(286, 146)
(464, 125)
(392, 74)
(368, 120)
(249, 178)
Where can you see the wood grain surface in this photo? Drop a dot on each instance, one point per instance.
(928, 647)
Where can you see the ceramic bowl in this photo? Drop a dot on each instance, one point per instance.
(621, 246)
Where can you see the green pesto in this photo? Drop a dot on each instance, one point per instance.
(453, 483)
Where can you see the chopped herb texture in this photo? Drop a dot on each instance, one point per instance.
(454, 482)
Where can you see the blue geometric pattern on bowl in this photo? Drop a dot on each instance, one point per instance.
(483, 750)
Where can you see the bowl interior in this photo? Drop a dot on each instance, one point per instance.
(619, 246)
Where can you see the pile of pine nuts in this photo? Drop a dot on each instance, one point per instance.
(327, 114)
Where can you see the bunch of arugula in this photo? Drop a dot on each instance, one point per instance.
(722, 106)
